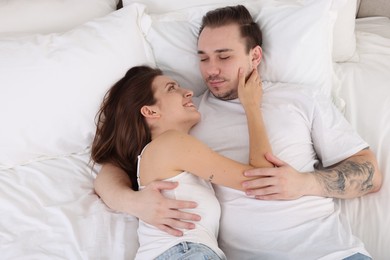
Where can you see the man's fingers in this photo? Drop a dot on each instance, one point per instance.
(269, 197)
(169, 230)
(181, 215)
(179, 224)
(181, 204)
(259, 183)
(265, 191)
(175, 222)
(164, 185)
(260, 172)
(274, 160)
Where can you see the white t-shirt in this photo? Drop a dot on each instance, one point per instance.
(303, 128)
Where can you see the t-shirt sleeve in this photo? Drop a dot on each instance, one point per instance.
(334, 138)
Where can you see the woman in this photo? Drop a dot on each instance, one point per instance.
(143, 127)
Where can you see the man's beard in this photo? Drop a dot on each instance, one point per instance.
(229, 95)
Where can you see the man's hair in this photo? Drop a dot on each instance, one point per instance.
(234, 15)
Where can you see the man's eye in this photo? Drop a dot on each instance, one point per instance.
(170, 88)
(224, 57)
(203, 59)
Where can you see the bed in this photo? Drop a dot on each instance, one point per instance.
(58, 58)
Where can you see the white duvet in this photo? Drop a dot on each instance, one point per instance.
(48, 210)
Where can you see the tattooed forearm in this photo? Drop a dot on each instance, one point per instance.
(347, 177)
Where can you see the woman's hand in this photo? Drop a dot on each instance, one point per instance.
(251, 91)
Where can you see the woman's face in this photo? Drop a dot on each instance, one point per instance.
(174, 104)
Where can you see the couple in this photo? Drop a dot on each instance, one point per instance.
(287, 211)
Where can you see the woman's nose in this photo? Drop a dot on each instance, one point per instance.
(188, 93)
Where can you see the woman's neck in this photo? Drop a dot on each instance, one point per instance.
(156, 132)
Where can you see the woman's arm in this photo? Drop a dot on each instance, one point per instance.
(250, 94)
(175, 151)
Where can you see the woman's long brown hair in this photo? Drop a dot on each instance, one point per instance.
(121, 130)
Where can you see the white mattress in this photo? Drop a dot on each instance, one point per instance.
(48, 209)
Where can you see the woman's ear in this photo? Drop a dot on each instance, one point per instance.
(149, 112)
(257, 55)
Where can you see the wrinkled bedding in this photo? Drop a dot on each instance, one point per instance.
(49, 210)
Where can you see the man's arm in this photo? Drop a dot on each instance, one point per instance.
(354, 177)
(351, 178)
(113, 185)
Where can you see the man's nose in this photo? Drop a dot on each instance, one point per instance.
(212, 68)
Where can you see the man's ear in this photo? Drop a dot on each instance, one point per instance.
(257, 55)
(149, 112)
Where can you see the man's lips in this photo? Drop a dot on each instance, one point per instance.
(215, 83)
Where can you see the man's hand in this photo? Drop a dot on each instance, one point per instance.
(279, 183)
(113, 185)
(161, 212)
(351, 178)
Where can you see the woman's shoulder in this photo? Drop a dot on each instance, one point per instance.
(170, 141)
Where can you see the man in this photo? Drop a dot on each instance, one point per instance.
(294, 216)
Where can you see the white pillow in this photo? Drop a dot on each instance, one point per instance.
(344, 38)
(344, 30)
(159, 6)
(47, 16)
(297, 42)
(52, 85)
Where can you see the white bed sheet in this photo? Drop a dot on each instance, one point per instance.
(366, 92)
(48, 210)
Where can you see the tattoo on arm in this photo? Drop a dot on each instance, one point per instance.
(348, 176)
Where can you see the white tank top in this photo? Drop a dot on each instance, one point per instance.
(154, 242)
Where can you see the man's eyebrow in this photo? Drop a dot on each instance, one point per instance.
(216, 51)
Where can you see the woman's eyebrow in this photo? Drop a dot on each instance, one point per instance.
(170, 83)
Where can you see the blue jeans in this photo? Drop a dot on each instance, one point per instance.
(358, 256)
(189, 251)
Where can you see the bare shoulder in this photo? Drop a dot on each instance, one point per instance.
(174, 138)
(159, 159)
(171, 143)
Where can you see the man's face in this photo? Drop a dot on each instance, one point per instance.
(221, 53)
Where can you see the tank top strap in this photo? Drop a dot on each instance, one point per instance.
(138, 164)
